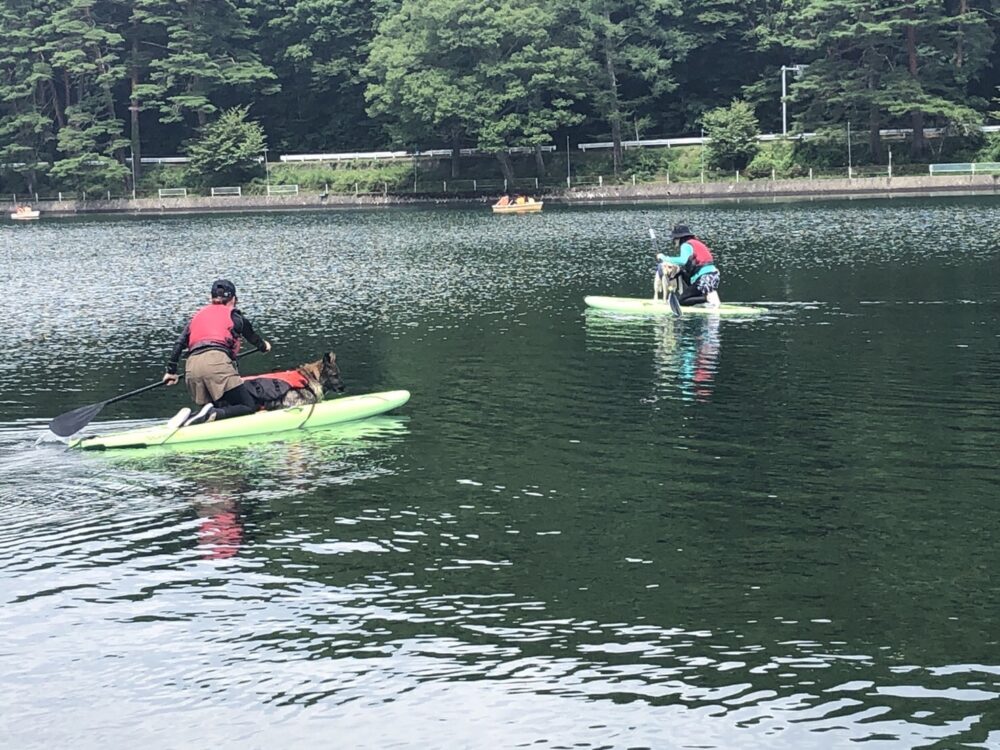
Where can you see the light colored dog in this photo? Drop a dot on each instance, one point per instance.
(666, 278)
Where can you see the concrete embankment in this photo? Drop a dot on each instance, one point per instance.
(219, 204)
(696, 191)
(789, 189)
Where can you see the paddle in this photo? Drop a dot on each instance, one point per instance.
(675, 305)
(73, 421)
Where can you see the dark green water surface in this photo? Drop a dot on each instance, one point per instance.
(584, 530)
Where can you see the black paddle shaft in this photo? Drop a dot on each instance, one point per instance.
(73, 421)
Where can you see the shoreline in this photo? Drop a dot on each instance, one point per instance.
(775, 190)
(790, 190)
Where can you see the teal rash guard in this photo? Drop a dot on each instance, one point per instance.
(686, 251)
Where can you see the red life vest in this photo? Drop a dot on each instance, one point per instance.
(212, 326)
(294, 378)
(701, 256)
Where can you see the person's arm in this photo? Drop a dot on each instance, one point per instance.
(243, 326)
(170, 377)
(686, 252)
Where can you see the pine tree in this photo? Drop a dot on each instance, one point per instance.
(208, 58)
(500, 74)
(885, 64)
(83, 51)
(27, 131)
(316, 48)
(636, 46)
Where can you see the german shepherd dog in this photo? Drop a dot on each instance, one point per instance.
(306, 384)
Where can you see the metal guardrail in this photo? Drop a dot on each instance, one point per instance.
(172, 192)
(889, 133)
(346, 156)
(282, 189)
(519, 184)
(391, 155)
(233, 191)
(160, 160)
(985, 167)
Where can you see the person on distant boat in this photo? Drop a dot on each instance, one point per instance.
(212, 340)
(504, 200)
(697, 268)
(520, 200)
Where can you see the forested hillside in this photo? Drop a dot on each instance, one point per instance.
(86, 83)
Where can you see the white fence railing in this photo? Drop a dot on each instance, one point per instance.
(888, 133)
(282, 189)
(381, 155)
(237, 191)
(172, 192)
(983, 167)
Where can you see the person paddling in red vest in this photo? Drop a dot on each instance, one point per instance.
(697, 268)
(212, 340)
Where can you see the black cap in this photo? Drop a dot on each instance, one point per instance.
(223, 289)
(681, 232)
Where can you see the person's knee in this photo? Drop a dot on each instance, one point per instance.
(238, 396)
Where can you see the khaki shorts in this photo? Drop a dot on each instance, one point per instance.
(209, 374)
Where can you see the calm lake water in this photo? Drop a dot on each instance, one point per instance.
(583, 530)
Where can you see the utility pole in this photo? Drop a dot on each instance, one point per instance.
(850, 169)
(134, 140)
(797, 69)
(132, 159)
(568, 179)
(703, 155)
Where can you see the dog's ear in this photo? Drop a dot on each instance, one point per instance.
(330, 358)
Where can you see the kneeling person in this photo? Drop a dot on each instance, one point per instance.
(212, 340)
(697, 268)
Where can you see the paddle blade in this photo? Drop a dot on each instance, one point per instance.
(675, 304)
(73, 421)
(652, 234)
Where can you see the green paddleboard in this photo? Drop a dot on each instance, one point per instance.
(646, 306)
(338, 410)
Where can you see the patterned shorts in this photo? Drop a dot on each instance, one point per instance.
(708, 283)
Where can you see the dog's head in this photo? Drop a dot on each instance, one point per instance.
(326, 373)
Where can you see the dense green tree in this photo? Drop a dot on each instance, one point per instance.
(732, 133)
(725, 61)
(84, 82)
(497, 74)
(316, 48)
(884, 64)
(228, 149)
(207, 55)
(637, 44)
(26, 126)
(146, 39)
(82, 49)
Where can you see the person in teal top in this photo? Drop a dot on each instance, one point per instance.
(697, 268)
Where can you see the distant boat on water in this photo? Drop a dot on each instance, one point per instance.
(519, 205)
(25, 213)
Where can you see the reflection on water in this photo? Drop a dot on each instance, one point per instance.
(585, 530)
(220, 532)
(685, 352)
